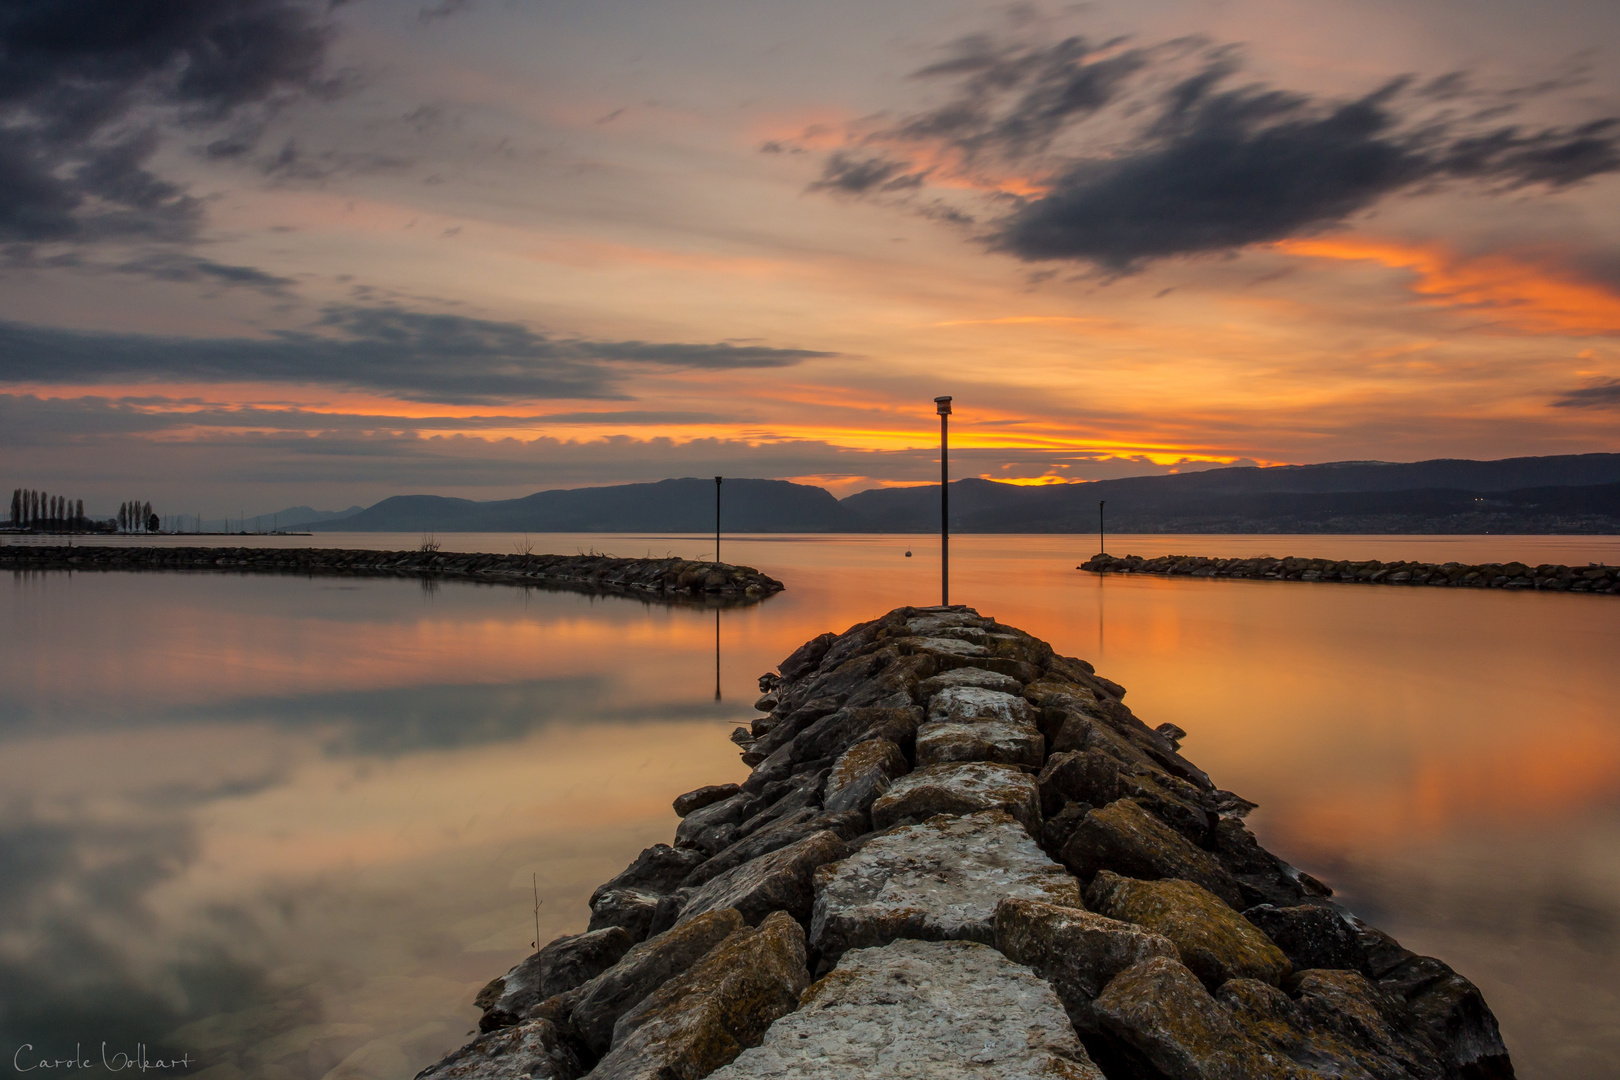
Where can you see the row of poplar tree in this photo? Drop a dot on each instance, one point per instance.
(57, 513)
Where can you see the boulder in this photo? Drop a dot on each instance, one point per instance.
(715, 826)
(1454, 1015)
(838, 731)
(848, 824)
(644, 969)
(874, 755)
(632, 910)
(1056, 830)
(535, 1050)
(968, 676)
(1261, 876)
(1370, 1026)
(959, 789)
(779, 881)
(934, 1010)
(561, 965)
(659, 870)
(1157, 1012)
(859, 796)
(1125, 838)
(979, 740)
(936, 881)
(703, 796)
(782, 800)
(1310, 935)
(1215, 942)
(703, 1018)
(1078, 952)
(1078, 776)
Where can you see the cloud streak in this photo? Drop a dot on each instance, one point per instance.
(414, 356)
(1119, 156)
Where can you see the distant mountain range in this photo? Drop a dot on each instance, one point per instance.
(1568, 494)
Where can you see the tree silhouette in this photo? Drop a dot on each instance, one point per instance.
(16, 508)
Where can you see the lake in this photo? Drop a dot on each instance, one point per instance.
(289, 826)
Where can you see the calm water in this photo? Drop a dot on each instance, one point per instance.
(291, 825)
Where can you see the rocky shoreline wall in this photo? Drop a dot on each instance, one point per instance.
(959, 854)
(1553, 577)
(662, 579)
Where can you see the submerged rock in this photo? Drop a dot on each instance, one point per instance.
(960, 789)
(937, 881)
(702, 1019)
(930, 1010)
(1214, 941)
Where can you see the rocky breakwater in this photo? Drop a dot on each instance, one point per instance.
(959, 854)
(665, 579)
(1553, 577)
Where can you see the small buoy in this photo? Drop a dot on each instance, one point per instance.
(908, 554)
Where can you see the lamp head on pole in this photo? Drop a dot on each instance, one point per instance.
(717, 481)
(943, 404)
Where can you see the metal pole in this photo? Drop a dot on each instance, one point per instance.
(943, 404)
(717, 521)
(1102, 546)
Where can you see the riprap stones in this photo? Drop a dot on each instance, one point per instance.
(997, 870)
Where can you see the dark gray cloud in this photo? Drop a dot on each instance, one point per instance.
(1153, 152)
(83, 84)
(1603, 395)
(448, 359)
(174, 266)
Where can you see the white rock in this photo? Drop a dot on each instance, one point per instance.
(960, 789)
(923, 1010)
(961, 703)
(937, 881)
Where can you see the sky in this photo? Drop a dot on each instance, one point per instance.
(260, 253)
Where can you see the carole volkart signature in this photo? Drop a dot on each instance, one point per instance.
(26, 1059)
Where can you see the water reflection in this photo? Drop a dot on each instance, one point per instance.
(291, 824)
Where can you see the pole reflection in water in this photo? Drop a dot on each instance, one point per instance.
(717, 654)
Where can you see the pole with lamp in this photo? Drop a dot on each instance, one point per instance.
(1102, 546)
(943, 404)
(717, 521)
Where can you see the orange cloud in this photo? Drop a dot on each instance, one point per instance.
(1516, 293)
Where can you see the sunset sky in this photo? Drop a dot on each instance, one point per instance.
(265, 252)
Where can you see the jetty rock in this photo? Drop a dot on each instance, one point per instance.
(668, 580)
(960, 854)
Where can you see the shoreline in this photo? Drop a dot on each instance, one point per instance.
(669, 580)
(960, 854)
(1546, 577)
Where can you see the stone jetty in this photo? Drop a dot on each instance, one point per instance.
(662, 579)
(960, 854)
(1554, 577)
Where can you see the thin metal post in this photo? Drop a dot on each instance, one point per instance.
(943, 404)
(1102, 546)
(717, 520)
